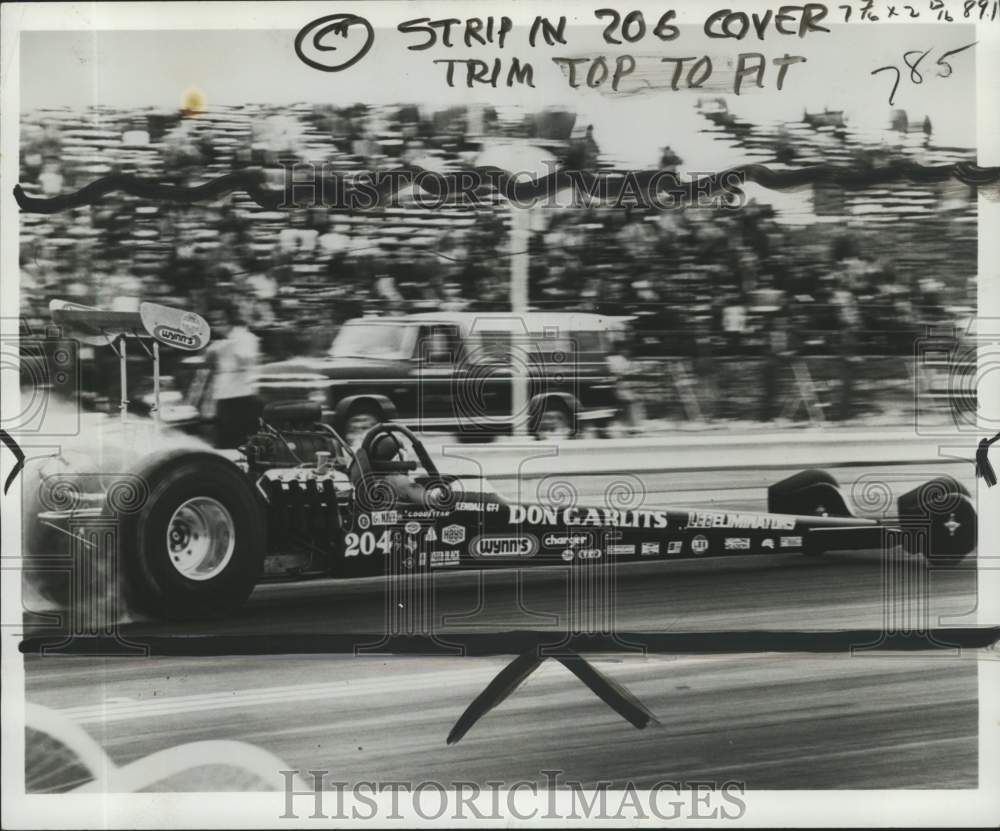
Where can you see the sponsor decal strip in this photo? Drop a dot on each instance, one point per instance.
(517, 546)
(444, 558)
(730, 519)
(601, 517)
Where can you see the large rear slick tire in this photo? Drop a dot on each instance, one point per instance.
(196, 549)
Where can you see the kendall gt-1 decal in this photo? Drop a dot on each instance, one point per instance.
(487, 507)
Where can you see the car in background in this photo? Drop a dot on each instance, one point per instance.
(455, 372)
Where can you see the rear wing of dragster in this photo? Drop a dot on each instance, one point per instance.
(152, 325)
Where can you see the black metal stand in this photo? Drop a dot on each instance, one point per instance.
(616, 696)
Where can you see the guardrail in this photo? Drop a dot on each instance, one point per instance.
(803, 448)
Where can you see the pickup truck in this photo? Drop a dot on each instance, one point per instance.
(454, 372)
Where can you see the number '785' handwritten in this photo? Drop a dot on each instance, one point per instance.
(916, 77)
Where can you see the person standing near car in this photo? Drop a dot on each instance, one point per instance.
(233, 357)
(633, 412)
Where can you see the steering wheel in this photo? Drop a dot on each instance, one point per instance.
(387, 430)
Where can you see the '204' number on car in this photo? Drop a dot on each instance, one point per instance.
(366, 543)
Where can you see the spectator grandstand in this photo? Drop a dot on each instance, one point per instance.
(837, 271)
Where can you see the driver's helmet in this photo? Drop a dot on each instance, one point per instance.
(385, 448)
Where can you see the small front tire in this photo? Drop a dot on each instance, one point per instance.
(940, 521)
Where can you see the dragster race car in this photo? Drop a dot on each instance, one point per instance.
(192, 530)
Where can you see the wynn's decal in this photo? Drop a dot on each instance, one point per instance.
(497, 545)
(173, 327)
(176, 337)
(573, 516)
(730, 519)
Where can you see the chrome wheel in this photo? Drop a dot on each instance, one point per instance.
(201, 538)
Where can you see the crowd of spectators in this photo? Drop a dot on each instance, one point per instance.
(698, 280)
